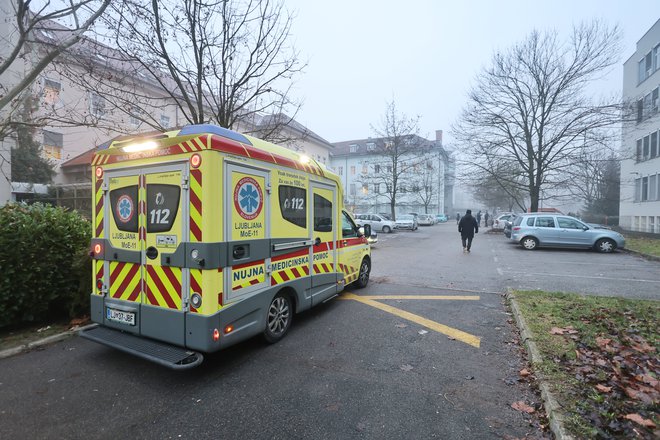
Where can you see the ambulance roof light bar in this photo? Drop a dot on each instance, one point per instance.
(141, 146)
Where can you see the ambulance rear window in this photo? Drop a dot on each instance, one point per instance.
(293, 205)
(125, 208)
(162, 206)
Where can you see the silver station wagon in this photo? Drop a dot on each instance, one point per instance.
(555, 230)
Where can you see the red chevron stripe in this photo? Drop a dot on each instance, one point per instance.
(115, 273)
(127, 280)
(295, 271)
(284, 276)
(151, 299)
(161, 287)
(306, 269)
(136, 292)
(176, 283)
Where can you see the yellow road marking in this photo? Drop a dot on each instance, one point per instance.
(440, 328)
(464, 298)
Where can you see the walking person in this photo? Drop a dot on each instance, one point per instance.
(479, 217)
(468, 226)
(486, 219)
(458, 217)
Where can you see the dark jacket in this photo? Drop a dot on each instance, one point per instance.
(468, 226)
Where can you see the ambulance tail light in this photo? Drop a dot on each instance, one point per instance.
(99, 283)
(229, 329)
(216, 334)
(97, 250)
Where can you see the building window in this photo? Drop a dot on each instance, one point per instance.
(638, 155)
(640, 110)
(652, 187)
(645, 189)
(371, 146)
(352, 170)
(340, 171)
(654, 144)
(164, 121)
(389, 168)
(353, 148)
(654, 101)
(96, 105)
(134, 116)
(365, 189)
(53, 143)
(376, 188)
(646, 151)
(638, 185)
(365, 168)
(51, 91)
(376, 168)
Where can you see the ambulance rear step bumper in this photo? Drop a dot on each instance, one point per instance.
(163, 354)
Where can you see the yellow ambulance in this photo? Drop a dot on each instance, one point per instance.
(204, 237)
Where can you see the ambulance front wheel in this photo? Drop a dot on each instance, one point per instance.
(363, 277)
(278, 318)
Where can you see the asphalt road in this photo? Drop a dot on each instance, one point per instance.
(436, 358)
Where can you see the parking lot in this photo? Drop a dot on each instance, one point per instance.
(427, 350)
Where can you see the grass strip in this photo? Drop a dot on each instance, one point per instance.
(600, 359)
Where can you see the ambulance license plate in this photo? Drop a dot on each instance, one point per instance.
(120, 316)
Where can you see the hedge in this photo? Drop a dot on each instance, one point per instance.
(45, 270)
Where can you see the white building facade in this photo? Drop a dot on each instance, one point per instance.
(427, 188)
(639, 206)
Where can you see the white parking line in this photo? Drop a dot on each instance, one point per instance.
(559, 275)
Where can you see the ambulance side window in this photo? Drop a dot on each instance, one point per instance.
(162, 206)
(124, 202)
(322, 214)
(293, 204)
(348, 228)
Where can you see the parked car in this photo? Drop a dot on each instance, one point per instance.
(385, 215)
(377, 222)
(441, 218)
(425, 220)
(406, 221)
(502, 219)
(555, 230)
(373, 238)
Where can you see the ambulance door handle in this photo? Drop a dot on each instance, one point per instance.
(317, 241)
(151, 253)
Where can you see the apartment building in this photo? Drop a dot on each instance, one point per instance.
(639, 206)
(427, 186)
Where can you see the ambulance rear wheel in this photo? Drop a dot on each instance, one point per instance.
(278, 318)
(363, 277)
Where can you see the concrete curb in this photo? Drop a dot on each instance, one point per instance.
(42, 342)
(553, 409)
(639, 254)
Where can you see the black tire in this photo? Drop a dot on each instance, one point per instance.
(605, 246)
(387, 229)
(278, 318)
(529, 243)
(363, 276)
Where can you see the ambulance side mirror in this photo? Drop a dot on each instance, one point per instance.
(365, 230)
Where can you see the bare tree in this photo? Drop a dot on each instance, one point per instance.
(426, 185)
(400, 150)
(530, 111)
(228, 62)
(25, 23)
(30, 40)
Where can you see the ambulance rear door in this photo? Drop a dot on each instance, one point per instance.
(166, 219)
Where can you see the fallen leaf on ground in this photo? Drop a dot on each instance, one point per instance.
(524, 372)
(522, 406)
(406, 367)
(641, 420)
(603, 388)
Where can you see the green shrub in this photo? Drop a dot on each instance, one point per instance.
(42, 263)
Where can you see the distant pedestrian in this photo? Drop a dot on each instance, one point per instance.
(479, 217)
(458, 217)
(468, 226)
(486, 219)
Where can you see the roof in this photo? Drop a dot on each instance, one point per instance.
(344, 147)
(81, 159)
